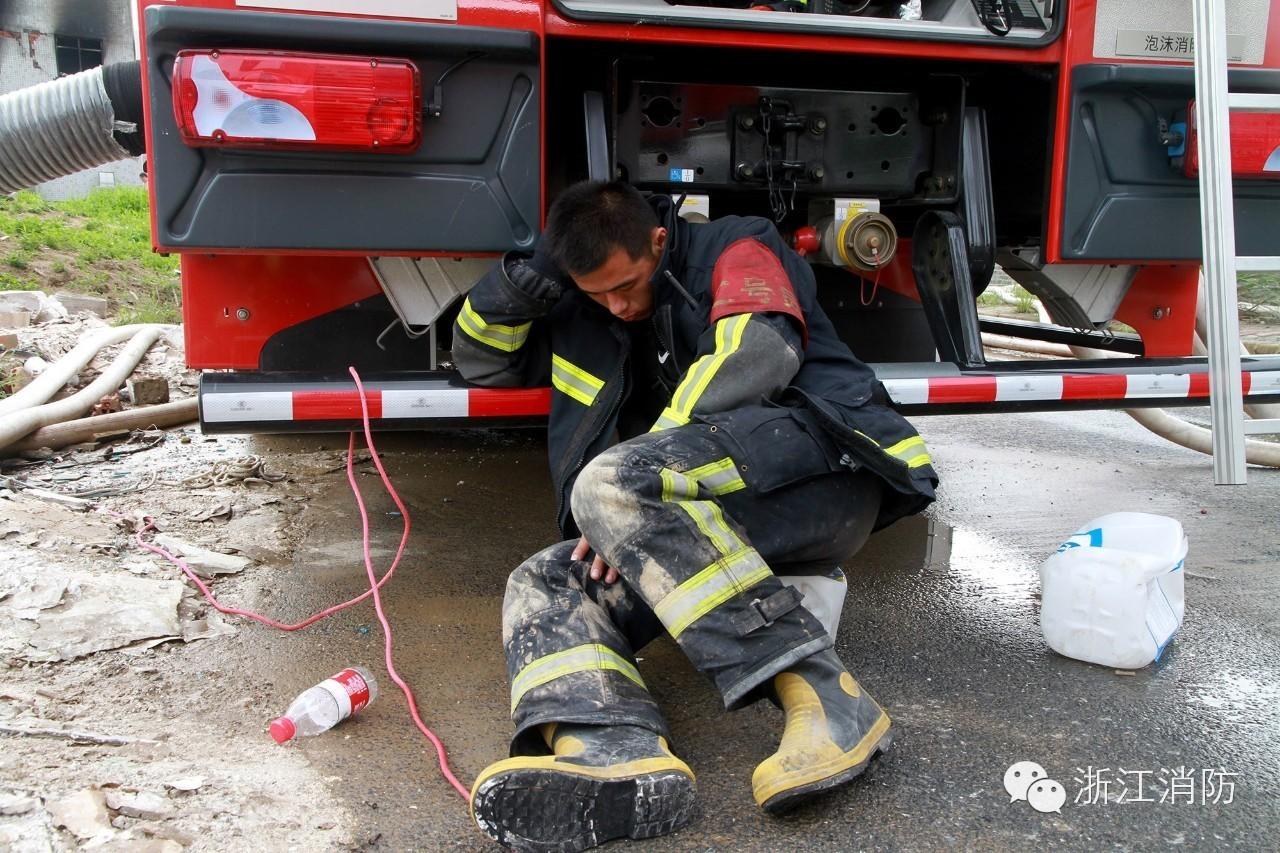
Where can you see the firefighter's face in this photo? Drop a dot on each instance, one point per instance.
(622, 283)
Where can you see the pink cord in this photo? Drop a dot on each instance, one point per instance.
(375, 585)
(149, 525)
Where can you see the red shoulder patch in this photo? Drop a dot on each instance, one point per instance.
(749, 278)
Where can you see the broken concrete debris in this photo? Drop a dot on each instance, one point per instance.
(39, 306)
(82, 303)
(186, 784)
(83, 814)
(202, 561)
(98, 613)
(148, 390)
(140, 804)
(14, 803)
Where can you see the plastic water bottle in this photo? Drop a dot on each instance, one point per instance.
(324, 706)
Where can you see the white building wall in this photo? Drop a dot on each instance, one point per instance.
(27, 30)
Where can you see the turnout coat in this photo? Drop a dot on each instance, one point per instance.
(709, 274)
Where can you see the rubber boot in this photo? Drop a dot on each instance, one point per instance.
(600, 783)
(833, 730)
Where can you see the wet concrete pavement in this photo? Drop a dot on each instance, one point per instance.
(941, 625)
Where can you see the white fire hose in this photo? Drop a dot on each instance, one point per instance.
(1160, 422)
(14, 424)
(60, 372)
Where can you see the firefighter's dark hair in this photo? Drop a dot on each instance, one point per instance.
(592, 218)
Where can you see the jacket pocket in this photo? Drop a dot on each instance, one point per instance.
(775, 446)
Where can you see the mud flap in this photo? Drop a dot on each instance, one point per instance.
(940, 264)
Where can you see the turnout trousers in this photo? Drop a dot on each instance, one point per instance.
(695, 519)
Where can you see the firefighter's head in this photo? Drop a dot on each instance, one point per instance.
(609, 241)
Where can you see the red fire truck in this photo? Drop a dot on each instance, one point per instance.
(336, 173)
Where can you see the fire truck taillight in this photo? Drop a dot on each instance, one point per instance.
(1255, 145)
(261, 99)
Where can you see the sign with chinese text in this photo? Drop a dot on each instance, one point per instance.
(1164, 45)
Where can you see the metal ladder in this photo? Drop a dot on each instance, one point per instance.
(1218, 232)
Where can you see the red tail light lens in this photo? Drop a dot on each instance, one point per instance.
(1255, 145)
(244, 98)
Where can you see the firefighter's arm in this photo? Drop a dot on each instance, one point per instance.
(755, 344)
(496, 337)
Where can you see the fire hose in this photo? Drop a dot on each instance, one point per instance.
(1158, 421)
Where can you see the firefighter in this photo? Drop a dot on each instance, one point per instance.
(708, 429)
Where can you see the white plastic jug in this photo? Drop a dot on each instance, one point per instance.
(1112, 593)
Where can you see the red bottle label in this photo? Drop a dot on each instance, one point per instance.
(355, 686)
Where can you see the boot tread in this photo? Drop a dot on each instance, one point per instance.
(538, 805)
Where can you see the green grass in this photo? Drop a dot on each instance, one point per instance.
(1258, 289)
(104, 239)
(1026, 301)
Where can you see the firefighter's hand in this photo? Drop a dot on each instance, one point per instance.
(544, 264)
(599, 571)
(539, 276)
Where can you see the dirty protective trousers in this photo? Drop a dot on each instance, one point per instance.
(695, 519)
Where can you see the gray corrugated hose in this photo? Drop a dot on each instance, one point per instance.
(55, 129)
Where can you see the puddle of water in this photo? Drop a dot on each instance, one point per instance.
(1236, 697)
(926, 565)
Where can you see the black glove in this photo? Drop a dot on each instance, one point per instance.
(539, 276)
(544, 265)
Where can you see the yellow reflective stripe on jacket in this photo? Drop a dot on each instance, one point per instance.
(710, 588)
(910, 451)
(590, 657)
(718, 478)
(668, 419)
(573, 381)
(496, 335)
(728, 339)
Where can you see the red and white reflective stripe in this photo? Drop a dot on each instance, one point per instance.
(1049, 387)
(390, 404)
(343, 404)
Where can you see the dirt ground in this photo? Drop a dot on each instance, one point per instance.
(122, 729)
(82, 611)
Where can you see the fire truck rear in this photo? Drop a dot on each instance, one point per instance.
(336, 173)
